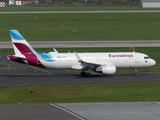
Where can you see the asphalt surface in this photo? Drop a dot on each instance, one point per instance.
(82, 44)
(82, 111)
(117, 110)
(36, 112)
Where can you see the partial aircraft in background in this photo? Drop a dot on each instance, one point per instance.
(106, 62)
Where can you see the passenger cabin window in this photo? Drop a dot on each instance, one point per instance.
(147, 57)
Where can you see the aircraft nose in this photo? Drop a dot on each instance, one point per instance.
(153, 62)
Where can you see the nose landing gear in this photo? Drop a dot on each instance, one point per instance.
(135, 72)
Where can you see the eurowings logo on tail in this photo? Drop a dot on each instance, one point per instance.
(16, 35)
(24, 53)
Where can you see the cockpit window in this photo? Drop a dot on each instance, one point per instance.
(147, 57)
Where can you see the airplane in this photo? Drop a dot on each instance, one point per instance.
(100, 62)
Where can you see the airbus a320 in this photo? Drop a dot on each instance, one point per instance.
(100, 62)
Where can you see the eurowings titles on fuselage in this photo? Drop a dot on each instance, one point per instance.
(104, 62)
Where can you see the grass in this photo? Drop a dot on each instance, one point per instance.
(92, 27)
(82, 93)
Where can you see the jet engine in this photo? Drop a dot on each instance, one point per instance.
(106, 69)
(109, 69)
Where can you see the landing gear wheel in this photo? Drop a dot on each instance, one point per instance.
(135, 74)
(83, 74)
(88, 75)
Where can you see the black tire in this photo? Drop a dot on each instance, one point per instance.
(88, 75)
(135, 74)
(83, 74)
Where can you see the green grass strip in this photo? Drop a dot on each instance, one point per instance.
(82, 27)
(134, 92)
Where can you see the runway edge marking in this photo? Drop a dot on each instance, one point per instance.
(65, 110)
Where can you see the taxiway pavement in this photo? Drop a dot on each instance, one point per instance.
(14, 74)
(82, 44)
(82, 111)
(116, 111)
(36, 112)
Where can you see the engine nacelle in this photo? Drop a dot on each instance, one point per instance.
(109, 69)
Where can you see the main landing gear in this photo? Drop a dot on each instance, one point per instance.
(84, 74)
(135, 72)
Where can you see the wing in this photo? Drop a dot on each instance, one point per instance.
(87, 64)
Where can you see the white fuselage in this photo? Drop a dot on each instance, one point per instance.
(119, 59)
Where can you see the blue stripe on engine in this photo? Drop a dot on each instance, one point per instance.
(16, 35)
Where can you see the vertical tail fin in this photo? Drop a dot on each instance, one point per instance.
(20, 45)
(24, 53)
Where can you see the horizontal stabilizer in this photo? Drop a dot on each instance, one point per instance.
(55, 50)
